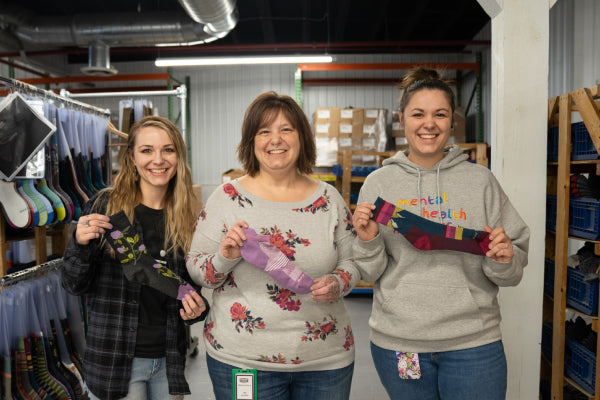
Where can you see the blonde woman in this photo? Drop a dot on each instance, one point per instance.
(136, 338)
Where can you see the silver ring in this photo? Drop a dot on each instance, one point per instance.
(86, 223)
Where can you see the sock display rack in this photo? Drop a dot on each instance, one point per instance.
(349, 178)
(573, 148)
(57, 231)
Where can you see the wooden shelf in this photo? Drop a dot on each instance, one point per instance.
(560, 110)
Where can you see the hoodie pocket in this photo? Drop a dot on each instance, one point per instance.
(425, 312)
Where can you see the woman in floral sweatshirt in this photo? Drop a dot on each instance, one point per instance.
(276, 247)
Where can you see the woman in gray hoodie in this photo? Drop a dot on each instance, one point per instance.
(438, 236)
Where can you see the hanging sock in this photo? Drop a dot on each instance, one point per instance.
(51, 385)
(258, 251)
(30, 184)
(39, 204)
(35, 215)
(138, 265)
(6, 378)
(428, 235)
(57, 204)
(15, 207)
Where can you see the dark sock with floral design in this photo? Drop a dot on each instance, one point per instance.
(138, 265)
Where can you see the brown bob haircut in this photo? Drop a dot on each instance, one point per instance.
(262, 112)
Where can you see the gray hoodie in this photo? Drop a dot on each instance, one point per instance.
(438, 300)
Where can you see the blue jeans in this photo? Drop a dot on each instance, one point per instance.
(148, 381)
(304, 385)
(476, 373)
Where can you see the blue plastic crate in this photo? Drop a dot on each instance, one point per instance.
(553, 144)
(551, 212)
(584, 217)
(547, 340)
(583, 147)
(549, 277)
(581, 294)
(580, 365)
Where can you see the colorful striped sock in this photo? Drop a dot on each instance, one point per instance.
(428, 235)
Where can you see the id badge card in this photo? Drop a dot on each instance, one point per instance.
(244, 384)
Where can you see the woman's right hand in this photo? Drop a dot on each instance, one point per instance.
(233, 240)
(90, 227)
(365, 227)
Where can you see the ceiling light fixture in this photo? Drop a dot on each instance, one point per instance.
(186, 62)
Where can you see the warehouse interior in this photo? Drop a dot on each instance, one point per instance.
(506, 62)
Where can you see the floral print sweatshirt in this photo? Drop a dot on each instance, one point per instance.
(256, 323)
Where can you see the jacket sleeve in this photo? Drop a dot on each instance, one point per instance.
(80, 262)
(205, 263)
(501, 213)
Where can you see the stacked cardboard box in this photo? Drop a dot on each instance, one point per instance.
(352, 129)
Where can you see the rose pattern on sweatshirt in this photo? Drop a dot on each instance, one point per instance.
(279, 359)
(210, 276)
(234, 195)
(319, 204)
(285, 244)
(346, 278)
(283, 298)
(240, 315)
(349, 343)
(208, 327)
(320, 330)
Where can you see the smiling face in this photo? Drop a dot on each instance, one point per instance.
(427, 122)
(154, 157)
(277, 145)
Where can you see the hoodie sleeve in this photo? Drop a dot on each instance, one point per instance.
(501, 213)
(371, 256)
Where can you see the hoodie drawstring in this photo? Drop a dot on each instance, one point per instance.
(439, 198)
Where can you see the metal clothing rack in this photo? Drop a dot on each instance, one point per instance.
(180, 92)
(49, 95)
(28, 273)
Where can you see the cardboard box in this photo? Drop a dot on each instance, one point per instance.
(459, 132)
(400, 143)
(352, 116)
(397, 130)
(231, 174)
(371, 115)
(326, 122)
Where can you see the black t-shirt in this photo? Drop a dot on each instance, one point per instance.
(152, 321)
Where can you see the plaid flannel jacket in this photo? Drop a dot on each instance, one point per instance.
(112, 304)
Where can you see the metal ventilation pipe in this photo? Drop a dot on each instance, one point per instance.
(218, 16)
(99, 60)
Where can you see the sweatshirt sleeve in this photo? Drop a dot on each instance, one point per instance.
(346, 271)
(205, 263)
(501, 213)
(371, 256)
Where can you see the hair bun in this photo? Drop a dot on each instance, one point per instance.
(418, 74)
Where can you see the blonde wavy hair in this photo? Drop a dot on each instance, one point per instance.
(180, 201)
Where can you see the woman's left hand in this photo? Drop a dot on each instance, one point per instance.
(501, 248)
(326, 289)
(193, 306)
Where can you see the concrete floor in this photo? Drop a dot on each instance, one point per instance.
(365, 382)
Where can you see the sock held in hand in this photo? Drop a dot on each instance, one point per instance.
(428, 235)
(138, 265)
(259, 252)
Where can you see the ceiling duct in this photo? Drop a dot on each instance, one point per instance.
(218, 17)
(205, 21)
(99, 60)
